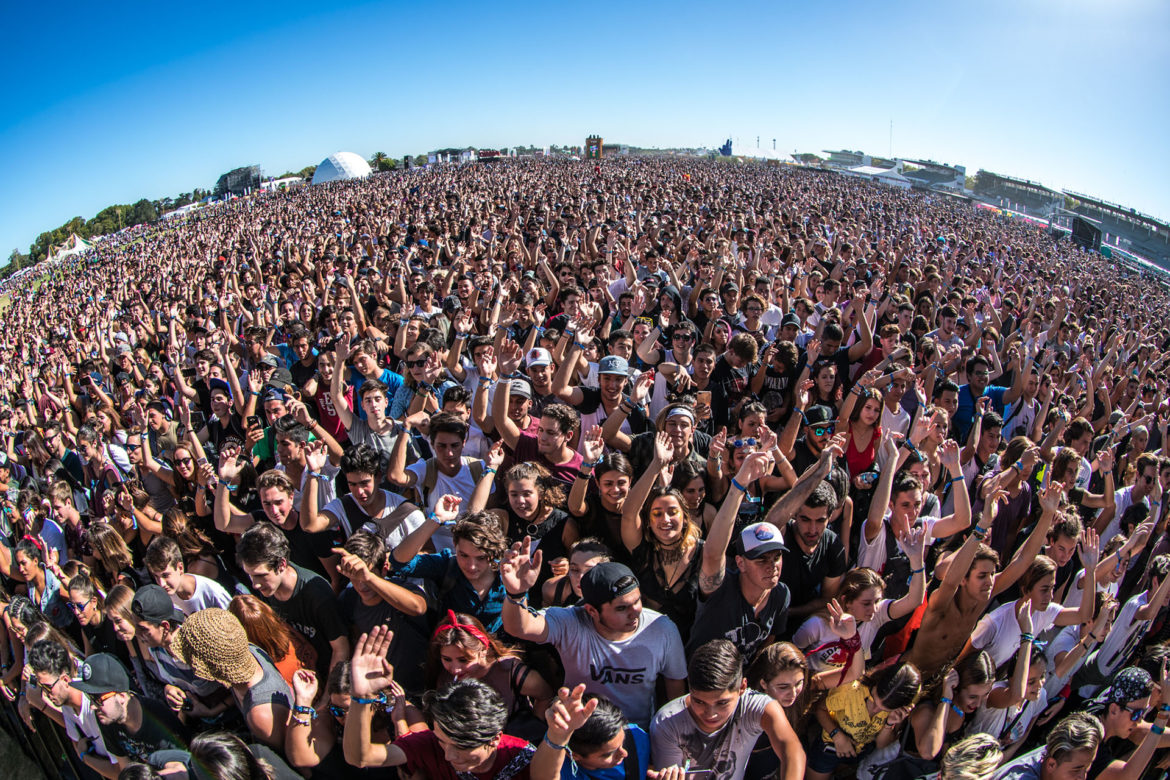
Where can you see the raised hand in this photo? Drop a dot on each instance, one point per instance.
(1024, 615)
(950, 683)
(841, 622)
(948, 455)
(663, 449)
(1089, 550)
(370, 672)
(568, 712)
(519, 570)
(718, 445)
(447, 509)
(1050, 497)
(914, 542)
(495, 456)
(304, 685)
(316, 456)
(754, 466)
(592, 445)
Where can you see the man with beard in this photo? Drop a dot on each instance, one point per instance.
(133, 726)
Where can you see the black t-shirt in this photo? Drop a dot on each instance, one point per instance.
(160, 730)
(103, 640)
(802, 456)
(725, 614)
(301, 373)
(312, 610)
(804, 574)
(1110, 750)
(408, 651)
(728, 386)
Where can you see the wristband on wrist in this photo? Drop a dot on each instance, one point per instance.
(485, 380)
(489, 471)
(301, 721)
(303, 710)
(953, 706)
(1157, 730)
(953, 480)
(735, 484)
(834, 732)
(520, 601)
(379, 699)
(979, 533)
(1026, 637)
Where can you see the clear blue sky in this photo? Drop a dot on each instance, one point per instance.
(108, 103)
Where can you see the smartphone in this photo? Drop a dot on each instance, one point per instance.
(198, 420)
(188, 373)
(703, 397)
(254, 422)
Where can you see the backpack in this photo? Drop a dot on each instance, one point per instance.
(431, 477)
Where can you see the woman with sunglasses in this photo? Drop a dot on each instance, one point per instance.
(44, 589)
(424, 384)
(313, 740)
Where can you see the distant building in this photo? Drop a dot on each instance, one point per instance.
(929, 175)
(1008, 192)
(1121, 227)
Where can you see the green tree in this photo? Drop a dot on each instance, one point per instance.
(307, 172)
(420, 160)
(16, 261)
(378, 160)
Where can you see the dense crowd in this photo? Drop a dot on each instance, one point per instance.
(647, 468)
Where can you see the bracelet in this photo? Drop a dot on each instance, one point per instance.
(594, 464)
(956, 479)
(735, 484)
(485, 380)
(834, 732)
(489, 471)
(1157, 730)
(579, 345)
(316, 475)
(1164, 708)
(1026, 637)
(554, 745)
(953, 706)
(379, 699)
(461, 336)
(979, 533)
(520, 601)
(302, 710)
(302, 721)
(910, 579)
(1019, 465)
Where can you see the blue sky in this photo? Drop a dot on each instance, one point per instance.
(108, 103)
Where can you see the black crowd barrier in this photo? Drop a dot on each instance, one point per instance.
(47, 748)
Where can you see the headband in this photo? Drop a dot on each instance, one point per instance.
(681, 411)
(475, 632)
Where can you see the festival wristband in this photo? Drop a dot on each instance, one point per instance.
(735, 484)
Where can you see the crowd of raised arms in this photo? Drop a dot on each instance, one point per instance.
(647, 468)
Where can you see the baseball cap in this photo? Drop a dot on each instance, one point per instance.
(613, 364)
(270, 360)
(214, 384)
(281, 379)
(122, 348)
(102, 673)
(152, 604)
(539, 356)
(790, 319)
(818, 414)
(452, 304)
(759, 539)
(521, 388)
(603, 583)
(728, 287)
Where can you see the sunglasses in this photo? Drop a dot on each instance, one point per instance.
(737, 443)
(420, 363)
(825, 430)
(184, 460)
(132, 447)
(683, 337)
(1138, 714)
(101, 698)
(337, 712)
(78, 608)
(46, 688)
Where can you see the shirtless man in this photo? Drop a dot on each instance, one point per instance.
(969, 583)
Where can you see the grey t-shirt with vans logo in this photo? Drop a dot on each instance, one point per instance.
(624, 672)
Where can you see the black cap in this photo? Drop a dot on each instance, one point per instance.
(152, 604)
(452, 304)
(281, 379)
(818, 414)
(600, 585)
(102, 673)
(728, 287)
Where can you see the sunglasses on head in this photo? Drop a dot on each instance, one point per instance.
(737, 443)
(420, 363)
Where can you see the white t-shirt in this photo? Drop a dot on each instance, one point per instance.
(376, 524)
(898, 421)
(822, 646)
(1124, 499)
(993, 720)
(461, 485)
(676, 740)
(1064, 641)
(84, 725)
(998, 632)
(624, 672)
(1125, 636)
(208, 593)
(873, 554)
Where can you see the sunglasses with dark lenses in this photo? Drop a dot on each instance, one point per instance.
(132, 447)
(98, 699)
(737, 443)
(337, 712)
(823, 430)
(420, 363)
(1137, 714)
(77, 608)
(683, 337)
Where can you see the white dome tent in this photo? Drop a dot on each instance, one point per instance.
(340, 166)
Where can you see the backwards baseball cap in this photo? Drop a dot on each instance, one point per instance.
(790, 319)
(152, 604)
(102, 673)
(281, 379)
(539, 356)
(613, 364)
(606, 582)
(270, 360)
(759, 539)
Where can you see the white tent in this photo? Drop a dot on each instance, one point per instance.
(74, 246)
(340, 166)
